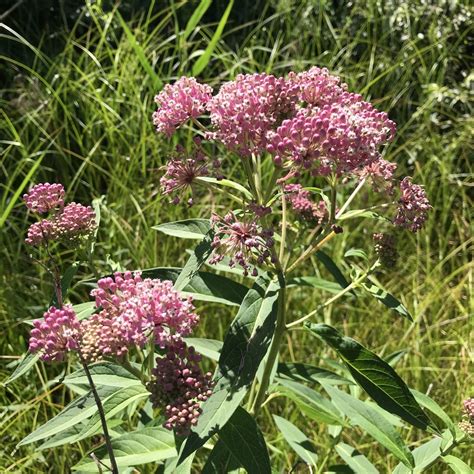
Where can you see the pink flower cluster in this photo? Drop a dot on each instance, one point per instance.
(44, 197)
(179, 102)
(57, 333)
(338, 138)
(180, 385)
(413, 206)
(301, 203)
(182, 171)
(245, 109)
(244, 241)
(132, 310)
(467, 425)
(69, 224)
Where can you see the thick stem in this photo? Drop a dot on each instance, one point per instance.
(274, 348)
(100, 409)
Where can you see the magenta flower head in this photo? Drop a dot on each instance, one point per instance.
(75, 222)
(56, 334)
(180, 386)
(179, 102)
(245, 109)
(132, 310)
(413, 206)
(44, 197)
(244, 241)
(300, 201)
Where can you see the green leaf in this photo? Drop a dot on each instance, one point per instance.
(196, 260)
(315, 282)
(457, 465)
(186, 229)
(66, 281)
(297, 440)
(424, 456)
(139, 51)
(204, 59)
(332, 268)
(356, 461)
(245, 441)
(310, 402)
(361, 213)
(356, 253)
(220, 461)
(433, 407)
(77, 411)
(104, 373)
(227, 184)
(84, 310)
(210, 348)
(195, 18)
(361, 414)
(310, 373)
(117, 402)
(245, 346)
(388, 300)
(27, 362)
(132, 449)
(374, 375)
(204, 286)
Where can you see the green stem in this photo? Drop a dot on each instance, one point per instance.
(271, 185)
(133, 370)
(274, 348)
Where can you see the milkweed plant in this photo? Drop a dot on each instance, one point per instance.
(300, 148)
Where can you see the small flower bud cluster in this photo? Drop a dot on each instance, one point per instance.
(132, 310)
(413, 206)
(182, 171)
(301, 203)
(467, 425)
(244, 241)
(68, 224)
(44, 197)
(180, 385)
(179, 102)
(381, 173)
(245, 109)
(54, 335)
(386, 249)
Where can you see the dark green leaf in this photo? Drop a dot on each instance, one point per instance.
(356, 461)
(297, 440)
(27, 362)
(361, 414)
(374, 375)
(204, 59)
(245, 345)
(220, 461)
(186, 229)
(387, 299)
(310, 373)
(428, 403)
(132, 449)
(244, 440)
(332, 268)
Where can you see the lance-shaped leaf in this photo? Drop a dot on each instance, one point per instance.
(245, 345)
(132, 449)
(204, 286)
(76, 412)
(310, 373)
(371, 421)
(356, 461)
(210, 348)
(186, 229)
(103, 373)
(244, 440)
(226, 183)
(375, 376)
(315, 282)
(220, 460)
(26, 363)
(196, 260)
(332, 268)
(457, 465)
(424, 456)
(297, 440)
(387, 300)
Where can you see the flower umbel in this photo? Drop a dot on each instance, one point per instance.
(44, 197)
(467, 425)
(413, 206)
(57, 333)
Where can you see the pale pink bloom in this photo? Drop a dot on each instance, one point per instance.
(54, 335)
(300, 201)
(413, 206)
(177, 103)
(44, 197)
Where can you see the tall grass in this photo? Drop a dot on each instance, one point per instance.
(82, 117)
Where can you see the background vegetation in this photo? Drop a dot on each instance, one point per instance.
(77, 95)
